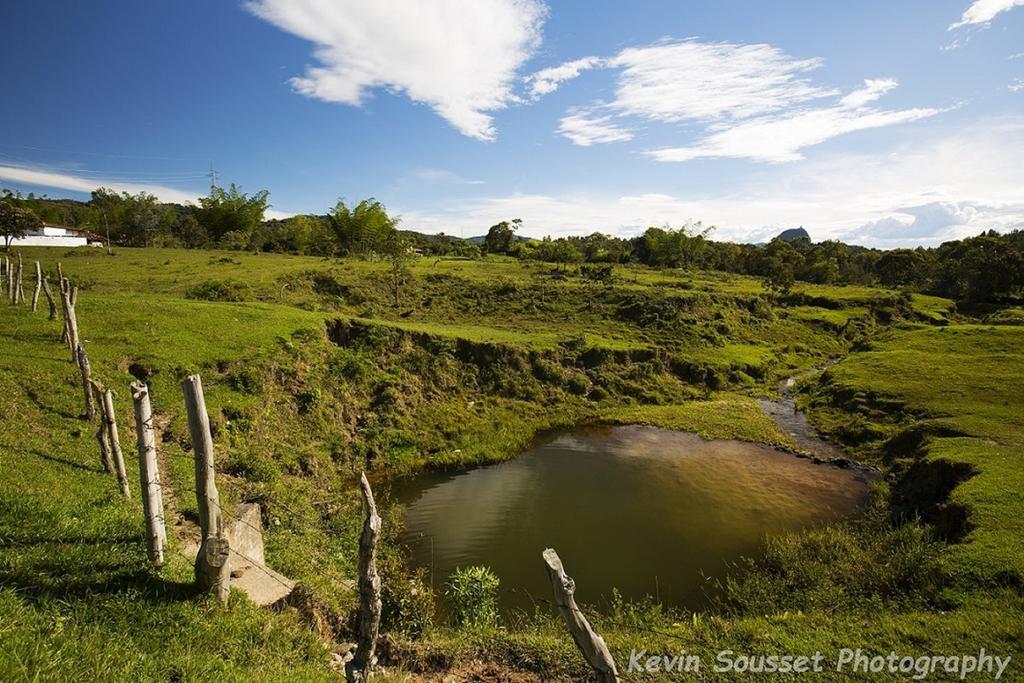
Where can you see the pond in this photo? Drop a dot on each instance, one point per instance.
(648, 511)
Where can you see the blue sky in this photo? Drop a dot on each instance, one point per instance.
(879, 123)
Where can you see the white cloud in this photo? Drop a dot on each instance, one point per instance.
(585, 130)
(441, 175)
(984, 11)
(872, 90)
(547, 80)
(781, 137)
(754, 102)
(928, 190)
(710, 81)
(1017, 85)
(459, 58)
(77, 183)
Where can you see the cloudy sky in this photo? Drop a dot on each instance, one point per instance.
(879, 123)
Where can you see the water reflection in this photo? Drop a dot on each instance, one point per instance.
(645, 510)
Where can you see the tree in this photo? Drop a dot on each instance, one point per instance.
(902, 267)
(501, 235)
(682, 248)
(364, 230)
(983, 268)
(230, 210)
(189, 232)
(15, 222)
(556, 251)
(398, 253)
(781, 263)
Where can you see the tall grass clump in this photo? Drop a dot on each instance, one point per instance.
(473, 595)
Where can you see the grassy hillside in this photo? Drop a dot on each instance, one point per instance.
(943, 406)
(312, 374)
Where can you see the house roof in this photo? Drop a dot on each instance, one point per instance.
(77, 232)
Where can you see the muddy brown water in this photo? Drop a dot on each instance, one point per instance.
(647, 511)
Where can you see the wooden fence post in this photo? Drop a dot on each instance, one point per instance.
(86, 369)
(63, 285)
(39, 287)
(101, 433)
(10, 278)
(110, 419)
(50, 298)
(213, 568)
(360, 667)
(70, 320)
(590, 644)
(19, 290)
(149, 474)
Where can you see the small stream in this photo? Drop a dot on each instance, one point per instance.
(795, 423)
(650, 512)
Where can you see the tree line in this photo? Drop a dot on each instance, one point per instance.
(989, 266)
(986, 267)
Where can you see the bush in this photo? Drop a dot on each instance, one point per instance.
(351, 364)
(217, 290)
(253, 467)
(473, 593)
(246, 379)
(862, 564)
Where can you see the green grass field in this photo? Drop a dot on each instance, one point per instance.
(313, 374)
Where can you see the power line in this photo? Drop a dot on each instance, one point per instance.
(100, 154)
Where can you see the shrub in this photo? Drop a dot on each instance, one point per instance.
(351, 364)
(252, 466)
(217, 290)
(861, 564)
(473, 593)
(246, 379)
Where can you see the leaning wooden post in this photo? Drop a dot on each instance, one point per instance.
(149, 474)
(86, 370)
(70, 320)
(590, 644)
(19, 290)
(360, 667)
(50, 299)
(39, 287)
(64, 285)
(101, 433)
(110, 419)
(213, 568)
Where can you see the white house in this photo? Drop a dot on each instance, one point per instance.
(57, 236)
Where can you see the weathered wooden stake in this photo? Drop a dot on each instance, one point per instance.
(19, 290)
(149, 474)
(50, 298)
(10, 279)
(213, 568)
(590, 644)
(39, 287)
(101, 433)
(70, 321)
(86, 370)
(360, 667)
(110, 419)
(64, 285)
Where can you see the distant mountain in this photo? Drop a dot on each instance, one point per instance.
(792, 234)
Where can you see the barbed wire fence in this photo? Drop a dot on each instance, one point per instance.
(212, 563)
